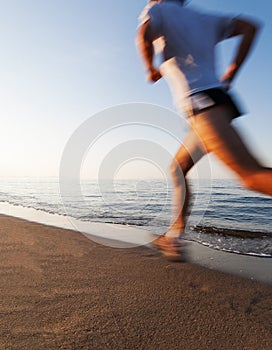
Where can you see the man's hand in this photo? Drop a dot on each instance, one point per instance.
(154, 75)
(229, 75)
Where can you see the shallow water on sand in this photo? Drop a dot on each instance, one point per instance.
(224, 215)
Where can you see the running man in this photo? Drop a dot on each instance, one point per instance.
(190, 38)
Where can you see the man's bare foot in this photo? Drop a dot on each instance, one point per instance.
(172, 248)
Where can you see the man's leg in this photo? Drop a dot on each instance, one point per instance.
(187, 156)
(219, 137)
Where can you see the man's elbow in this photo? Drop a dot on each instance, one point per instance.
(254, 28)
(247, 27)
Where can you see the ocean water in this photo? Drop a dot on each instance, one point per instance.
(223, 215)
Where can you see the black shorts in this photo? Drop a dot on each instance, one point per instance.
(203, 100)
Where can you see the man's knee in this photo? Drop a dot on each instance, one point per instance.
(256, 181)
(249, 182)
(178, 172)
(252, 179)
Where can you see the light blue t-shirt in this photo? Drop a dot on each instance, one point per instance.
(190, 37)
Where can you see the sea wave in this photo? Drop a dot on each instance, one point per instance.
(232, 232)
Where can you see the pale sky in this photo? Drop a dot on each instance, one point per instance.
(63, 61)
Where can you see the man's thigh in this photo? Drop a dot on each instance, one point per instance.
(219, 136)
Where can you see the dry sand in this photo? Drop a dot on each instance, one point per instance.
(59, 290)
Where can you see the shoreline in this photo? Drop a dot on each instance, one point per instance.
(130, 235)
(60, 290)
(117, 236)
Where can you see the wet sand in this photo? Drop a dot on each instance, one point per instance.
(60, 290)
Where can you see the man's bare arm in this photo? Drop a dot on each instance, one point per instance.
(146, 49)
(248, 31)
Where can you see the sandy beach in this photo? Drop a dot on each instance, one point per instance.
(60, 290)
